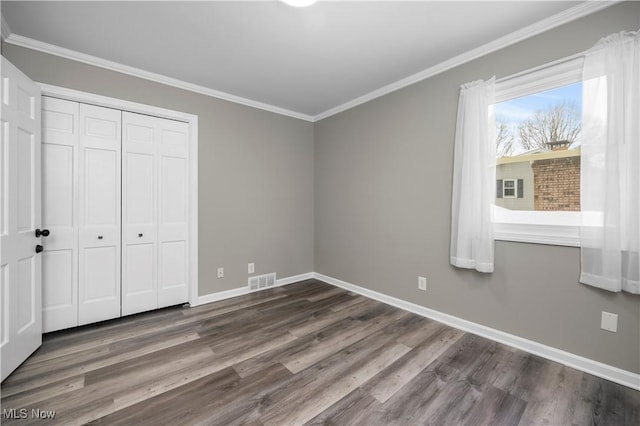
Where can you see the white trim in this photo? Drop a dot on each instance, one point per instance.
(294, 279)
(220, 295)
(515, 188)
(18, 40)
(576, 12)
(241, 291)
(614, 374)
(108, 102)
(545, 77)
(571, 14)
(558, 228)
(555, 235)
(192, 120)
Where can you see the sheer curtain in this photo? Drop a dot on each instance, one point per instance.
(610, 192)
(474, 174)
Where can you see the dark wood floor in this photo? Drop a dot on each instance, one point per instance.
(304, 353)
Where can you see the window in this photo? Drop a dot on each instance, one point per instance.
(509, 188)
(538, 130)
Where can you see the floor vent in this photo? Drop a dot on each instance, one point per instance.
(262, 281)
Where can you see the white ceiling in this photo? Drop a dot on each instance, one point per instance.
(303, 61)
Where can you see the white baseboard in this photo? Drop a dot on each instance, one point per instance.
(614, 374)
(294, 279)
(239, 291)
(220, 295)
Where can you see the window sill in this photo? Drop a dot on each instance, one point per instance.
(556, 235)
(553, 228)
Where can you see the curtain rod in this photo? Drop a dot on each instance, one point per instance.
(557, 62)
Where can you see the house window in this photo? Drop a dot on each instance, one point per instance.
(510, 188)
(538, 130)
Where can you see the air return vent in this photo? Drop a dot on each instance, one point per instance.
(262, 281)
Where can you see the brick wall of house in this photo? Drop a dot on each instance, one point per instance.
(556, 184)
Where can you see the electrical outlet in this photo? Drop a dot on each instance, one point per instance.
(609, 321)
(220, 272)
(251, 268)
(422, 283)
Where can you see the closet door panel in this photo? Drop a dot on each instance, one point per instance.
(173, 195)
(60, 291)
(173, 213)
(100, 212)
(139, 212)
(60, 213)
(101, 273)
(173, 258)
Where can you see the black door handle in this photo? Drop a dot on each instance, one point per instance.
(39, 248)
(42, 233)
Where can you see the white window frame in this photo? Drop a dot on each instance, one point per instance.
(539, 227)
(515, 188)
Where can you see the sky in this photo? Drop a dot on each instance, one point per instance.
(518, 109)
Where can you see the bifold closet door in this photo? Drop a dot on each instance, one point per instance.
(139, 213)
(173, 212)
(60, 213)
(154, 211)
(99, 213)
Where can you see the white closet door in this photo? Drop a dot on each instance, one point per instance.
(60, 213)
(139, 213)
(173, 212)
(99, 200)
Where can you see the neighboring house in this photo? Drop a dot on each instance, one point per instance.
(539, 180)
(514, 188)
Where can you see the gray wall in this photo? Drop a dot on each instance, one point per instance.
(255, 171)
(383, 176)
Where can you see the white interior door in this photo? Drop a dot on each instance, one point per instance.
(99, 201)
(139, 213)
(60, 213)
(173, 212)
(20, 265)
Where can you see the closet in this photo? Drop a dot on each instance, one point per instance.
(115, 203)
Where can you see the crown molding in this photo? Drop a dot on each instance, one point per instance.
(6, 31)
(571, 14)
(62, 52)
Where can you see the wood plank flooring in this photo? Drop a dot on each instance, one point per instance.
(307, 353)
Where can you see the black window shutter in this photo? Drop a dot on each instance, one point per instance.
(520, 188)
(499, 189)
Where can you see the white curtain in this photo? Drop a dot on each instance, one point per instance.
(474, 180)
(610, 191)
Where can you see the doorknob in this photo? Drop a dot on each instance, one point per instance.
(39, 248)
(42, 233)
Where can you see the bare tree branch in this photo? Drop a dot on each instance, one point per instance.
(504, 138)
(556, 123)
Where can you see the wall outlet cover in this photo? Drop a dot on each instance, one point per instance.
(609, 322)
(422, 283)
